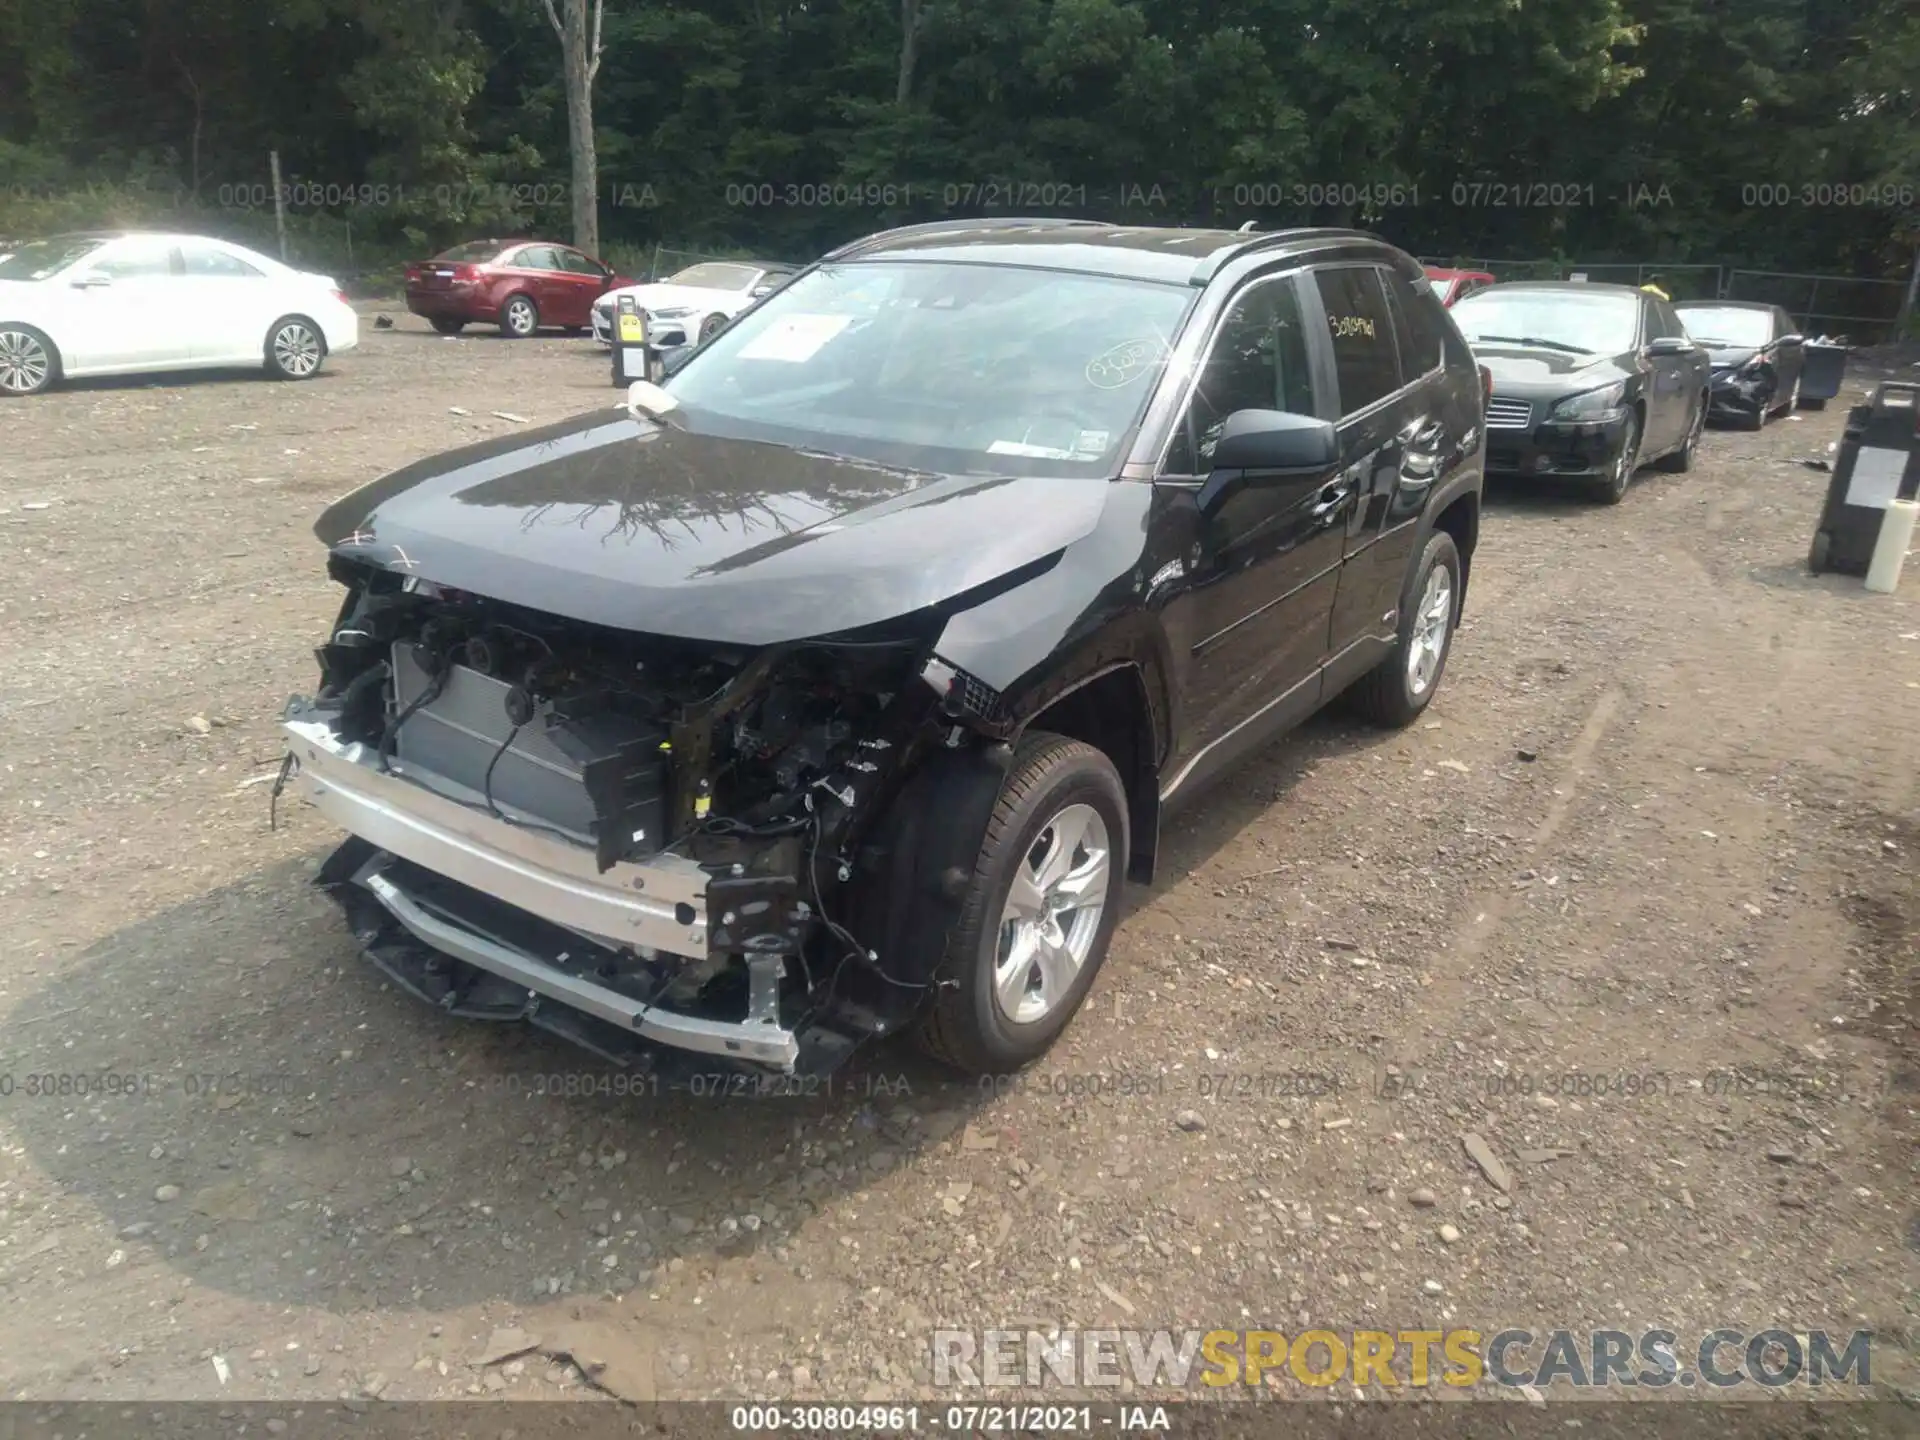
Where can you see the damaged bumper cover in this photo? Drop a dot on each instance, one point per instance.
(526, 908)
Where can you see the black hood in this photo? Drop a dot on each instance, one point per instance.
(619, 521)
(1537, 370)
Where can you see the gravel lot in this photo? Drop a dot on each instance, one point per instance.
(1663, 821)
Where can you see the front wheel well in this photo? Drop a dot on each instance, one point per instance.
(1113, 714)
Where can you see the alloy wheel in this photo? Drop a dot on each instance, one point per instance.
(1628, 460)
(25, 364)
(520, 316)
(1052, 914)
(296, 349)
(1432, 622)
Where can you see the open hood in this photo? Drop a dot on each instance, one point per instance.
(616, 520)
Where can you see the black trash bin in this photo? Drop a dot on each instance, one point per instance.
(1824, 368)
(1878, 461)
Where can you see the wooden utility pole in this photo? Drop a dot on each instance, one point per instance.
(577, 23)
(279, 204)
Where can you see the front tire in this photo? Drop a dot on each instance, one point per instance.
(1396, 690)
(1681, 461)
(1039, 911)
(1613, 489)
(29, 363)
(295, 348)
(519, 317)
(712, 326)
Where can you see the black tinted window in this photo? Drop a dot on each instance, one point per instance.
(1259, 361)
(576, 263)
(1361, 329)
(536, 257)
(1419, 324)
(205, 260)
(137, 260)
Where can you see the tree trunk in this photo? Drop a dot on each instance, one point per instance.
(909, 47)
(578, 26)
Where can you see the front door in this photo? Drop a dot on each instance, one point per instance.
(579, 282)
(1670, 412)
(1265, 554)
(137, 318)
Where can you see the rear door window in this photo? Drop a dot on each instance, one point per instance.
(1419, 325)
(1360, 326)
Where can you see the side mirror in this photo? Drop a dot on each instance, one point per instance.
(759, 291)
(92, 280)
(1275, 440)
(1670, 345)
(1791, 340)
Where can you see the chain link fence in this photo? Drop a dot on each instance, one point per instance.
(1865, 311)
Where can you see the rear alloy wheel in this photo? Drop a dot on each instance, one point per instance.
(1681, 460)
(1038, 913)
(294, 349)
(712, 326)
(1396, 690)
(519, 318)
(1613, 489)
(449, 327)
(28, 364)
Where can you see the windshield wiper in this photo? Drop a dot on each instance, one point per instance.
(1535, 340)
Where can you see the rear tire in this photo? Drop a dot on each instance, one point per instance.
(449, 327)
(1755, 421)
(519, 317)
(1010, 983)
(1399, 688)
(295, 348)
(29, 362)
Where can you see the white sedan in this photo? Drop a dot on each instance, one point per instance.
(124, 303)
(695, 302)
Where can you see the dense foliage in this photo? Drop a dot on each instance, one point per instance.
(1782, 133)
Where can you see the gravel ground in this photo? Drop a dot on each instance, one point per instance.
(1661, 822)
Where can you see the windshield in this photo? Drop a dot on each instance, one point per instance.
(1728, 325)
(1557, 319)
(470, 252)
(948, 367)
(38, 259)
(714, 276)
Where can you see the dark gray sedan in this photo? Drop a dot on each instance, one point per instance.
(1758, 354)
(1590, 382)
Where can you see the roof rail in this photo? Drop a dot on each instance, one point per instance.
(935, 227)
(1276, 239)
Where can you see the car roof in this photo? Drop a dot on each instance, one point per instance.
(1145, 252)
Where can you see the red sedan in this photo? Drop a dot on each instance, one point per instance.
(519, 285)
(1453, 285)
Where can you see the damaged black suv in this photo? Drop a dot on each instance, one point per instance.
(837, 685)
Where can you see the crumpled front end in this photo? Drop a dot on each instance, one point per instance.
(649, 846)
(1742, 392)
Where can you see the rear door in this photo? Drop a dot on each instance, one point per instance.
(1380, 419)
(232, 303)
(1260, 581)
(1425, 423)
(535, 270)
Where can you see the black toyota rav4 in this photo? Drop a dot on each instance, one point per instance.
(837, 685)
